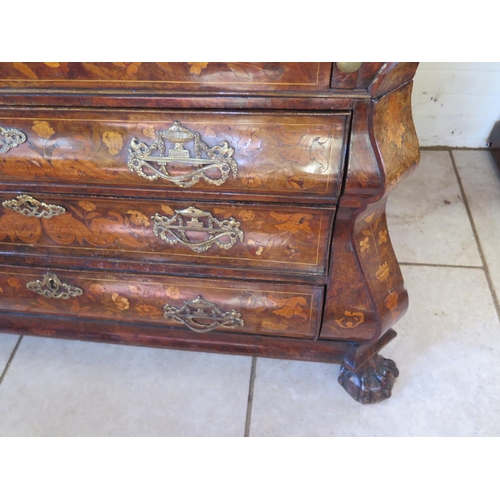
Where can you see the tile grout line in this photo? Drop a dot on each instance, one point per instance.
(439, 265)
(476, 236)
(451, 148)
(250, 396)
(11, 357)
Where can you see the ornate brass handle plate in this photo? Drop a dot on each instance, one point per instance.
(10, 138)
(31, 207)
(53, 288)
(186, 223)
(151, 162)
(202, 316)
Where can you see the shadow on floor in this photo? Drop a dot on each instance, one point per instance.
(494, 143)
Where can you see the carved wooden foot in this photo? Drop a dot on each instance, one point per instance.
(367, 376)
(372, 382)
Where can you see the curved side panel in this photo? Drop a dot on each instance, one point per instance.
(366, 295)
(350, 313)
(395, 136)
(392, 76)
(380, 266)
(363, 179)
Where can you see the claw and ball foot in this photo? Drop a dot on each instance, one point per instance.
(370, 383)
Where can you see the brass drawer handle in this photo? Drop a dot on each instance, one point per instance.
(173, 229)
(53, 288)
(143, 160)
(31, 207)
(11, 138)
(202, 316)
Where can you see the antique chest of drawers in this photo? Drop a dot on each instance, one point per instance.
(224, 207)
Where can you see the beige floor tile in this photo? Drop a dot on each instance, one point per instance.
(70, 388)
(481, 181)
(7, 344)
(427, 218)
(447, 352)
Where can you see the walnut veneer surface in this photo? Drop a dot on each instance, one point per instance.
(225, 207)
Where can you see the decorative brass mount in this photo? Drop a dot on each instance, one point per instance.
(173, 230)
(53, 288)
(202, 316)
(31, 207)
(143, 160)
(11, 138)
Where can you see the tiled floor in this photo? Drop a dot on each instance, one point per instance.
(445, 226)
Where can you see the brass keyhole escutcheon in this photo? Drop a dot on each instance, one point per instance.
(31, 207)
(53, 288)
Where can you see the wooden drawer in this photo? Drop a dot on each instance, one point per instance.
(235, 235)
(222, 153)
(196, 304)
(309, 76)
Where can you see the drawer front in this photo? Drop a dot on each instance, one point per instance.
(307, 76)
(231, 235)
(194, 304)
(242, 153)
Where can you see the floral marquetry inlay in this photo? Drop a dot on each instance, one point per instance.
(199, 305)
(377, 255)
(254, 153)
(197, 67)
(274, 238)
(391, 302)
(43, 129)
(350, 319)
(165, 75)
(382, 271)
(396, 135)
(114, 142)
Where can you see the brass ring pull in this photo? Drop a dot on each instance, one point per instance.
(202, 316)
(11, 138)
(53, 288)
(31, 207)
(186, 223)
(144, 160)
